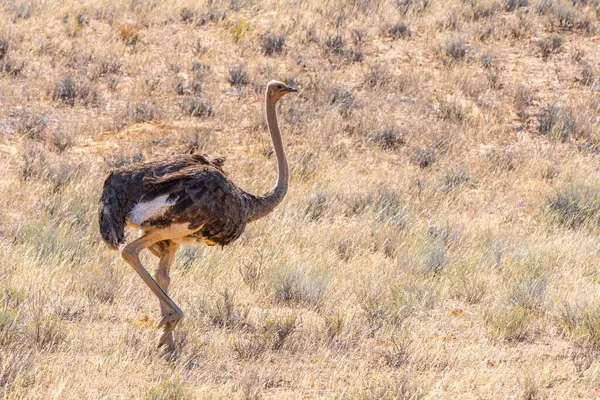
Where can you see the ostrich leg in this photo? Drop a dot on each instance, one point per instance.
(163, 280)
(131, 255)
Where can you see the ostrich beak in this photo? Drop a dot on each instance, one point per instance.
(290, 89)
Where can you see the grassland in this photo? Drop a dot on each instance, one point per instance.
(440, 238)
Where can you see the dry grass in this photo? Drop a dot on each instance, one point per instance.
(440, 236)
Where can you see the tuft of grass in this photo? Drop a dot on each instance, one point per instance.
(46, 330)
(503, 160)
(304, 166)
(424, 157)
(453, 51)
(15, 366)
(196, 106)
(575, 205)
(400, 388)
(415, 7)
(387, 138)
(31, 125)
(513, 5)
(317, 205)
(35, 163)
(102, 286)
(587, 75)
(3, 48)
(250, 348)
(435, 258)
(278, 330)
(557, 122)
(272, 44)
(581, 324)
(343, 100)
(453, 110)
(377, 76)
(466, 283)
(523, 99)
(10, 326)
(398, 30)
(252, 271)
(508, 324)
(529, 388)
(170, 389)
(528, 291)
(141, 112)
(455, 178)
(224, 313)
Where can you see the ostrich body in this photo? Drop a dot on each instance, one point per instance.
(182, 200)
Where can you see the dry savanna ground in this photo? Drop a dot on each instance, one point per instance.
(441, 236)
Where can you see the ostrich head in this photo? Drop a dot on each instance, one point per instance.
(276, 90)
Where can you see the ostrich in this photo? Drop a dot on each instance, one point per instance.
(184, 199)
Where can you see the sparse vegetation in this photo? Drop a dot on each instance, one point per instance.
(272, 44)
(439, 233)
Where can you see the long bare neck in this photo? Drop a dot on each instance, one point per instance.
(259, 206)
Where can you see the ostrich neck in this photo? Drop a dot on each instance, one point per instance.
(259, 206)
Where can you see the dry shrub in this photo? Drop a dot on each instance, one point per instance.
(141, 112)
(72, 91)
(377, 76)
(334, 45)
(550, 45)
(295, 285)
(396, 355)
(238, 76)
(453, 51)
(424, 157)
(196, 106)
(272, 44)
(455, 178)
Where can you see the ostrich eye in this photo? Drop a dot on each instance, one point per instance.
(280, 86)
